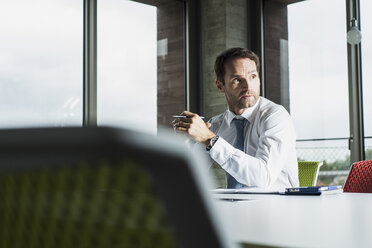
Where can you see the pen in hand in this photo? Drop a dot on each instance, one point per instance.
(183, 116)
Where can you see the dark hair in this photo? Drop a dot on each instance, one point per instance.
(236, 52)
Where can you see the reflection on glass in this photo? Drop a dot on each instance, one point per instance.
(127, 65)
(366, 28)
(319, 83)
(40, 63)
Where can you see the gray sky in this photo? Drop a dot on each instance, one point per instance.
(127, 65)
(41, 63)
(318, 68)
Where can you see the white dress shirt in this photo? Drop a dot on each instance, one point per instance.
(269, 159)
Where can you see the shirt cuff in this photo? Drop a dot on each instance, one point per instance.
(221, 152)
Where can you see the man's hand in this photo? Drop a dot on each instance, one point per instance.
(194, 127)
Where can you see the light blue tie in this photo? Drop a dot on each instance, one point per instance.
(239, 125)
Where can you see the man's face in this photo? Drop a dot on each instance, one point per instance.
(242, 84)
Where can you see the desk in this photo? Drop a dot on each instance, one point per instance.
(339, 220)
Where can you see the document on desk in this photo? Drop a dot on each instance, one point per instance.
(246, 190)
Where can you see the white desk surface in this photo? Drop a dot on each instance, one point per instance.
(339, 220)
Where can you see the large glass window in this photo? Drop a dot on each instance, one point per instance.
(127, 63)
(366, 28)
(41, 63)
(141, 64)
(307, 72)
(318, 77)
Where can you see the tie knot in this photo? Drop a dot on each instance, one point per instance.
(239, 121)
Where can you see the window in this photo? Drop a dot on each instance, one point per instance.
(141, 53)
(318, 88)
(307, 72)
(41, 63)
(141, 63)
(127, 65)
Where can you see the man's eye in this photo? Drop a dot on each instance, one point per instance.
(253, 76)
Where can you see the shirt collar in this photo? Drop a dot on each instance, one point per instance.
(247, 114)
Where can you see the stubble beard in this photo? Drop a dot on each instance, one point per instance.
(247, 103)
(241, 103)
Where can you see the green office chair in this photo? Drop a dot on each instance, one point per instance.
(100, 187)
(308, 172)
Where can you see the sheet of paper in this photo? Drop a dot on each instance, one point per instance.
(247, 190)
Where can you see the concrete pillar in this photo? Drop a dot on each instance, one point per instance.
(224, 25)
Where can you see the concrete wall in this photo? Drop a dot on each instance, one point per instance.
(224, 25)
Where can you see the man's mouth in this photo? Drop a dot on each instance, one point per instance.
(247, 96)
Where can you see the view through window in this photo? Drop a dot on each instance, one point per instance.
(41, 63)
(318, 78)
(127, 65)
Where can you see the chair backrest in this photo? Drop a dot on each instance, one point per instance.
(101, 187)
(360, 177)
(308, 172)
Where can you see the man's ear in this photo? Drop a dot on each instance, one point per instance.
(219, 85)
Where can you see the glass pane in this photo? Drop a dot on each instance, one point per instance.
(41, 63)
(127, 65)
(318, 85)
(141, 64)
(366, 28)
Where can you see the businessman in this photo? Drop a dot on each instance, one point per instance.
(254, 139)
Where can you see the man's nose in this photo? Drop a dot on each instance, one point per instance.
(245, 83)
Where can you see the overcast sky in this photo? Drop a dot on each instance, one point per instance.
(41, 63)
(318, 67)
(127, 65)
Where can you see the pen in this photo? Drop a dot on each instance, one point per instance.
(231, 199)
(182, 116)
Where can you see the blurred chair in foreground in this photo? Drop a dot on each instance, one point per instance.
(102, 187)
(308, 172)
(359, 179)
